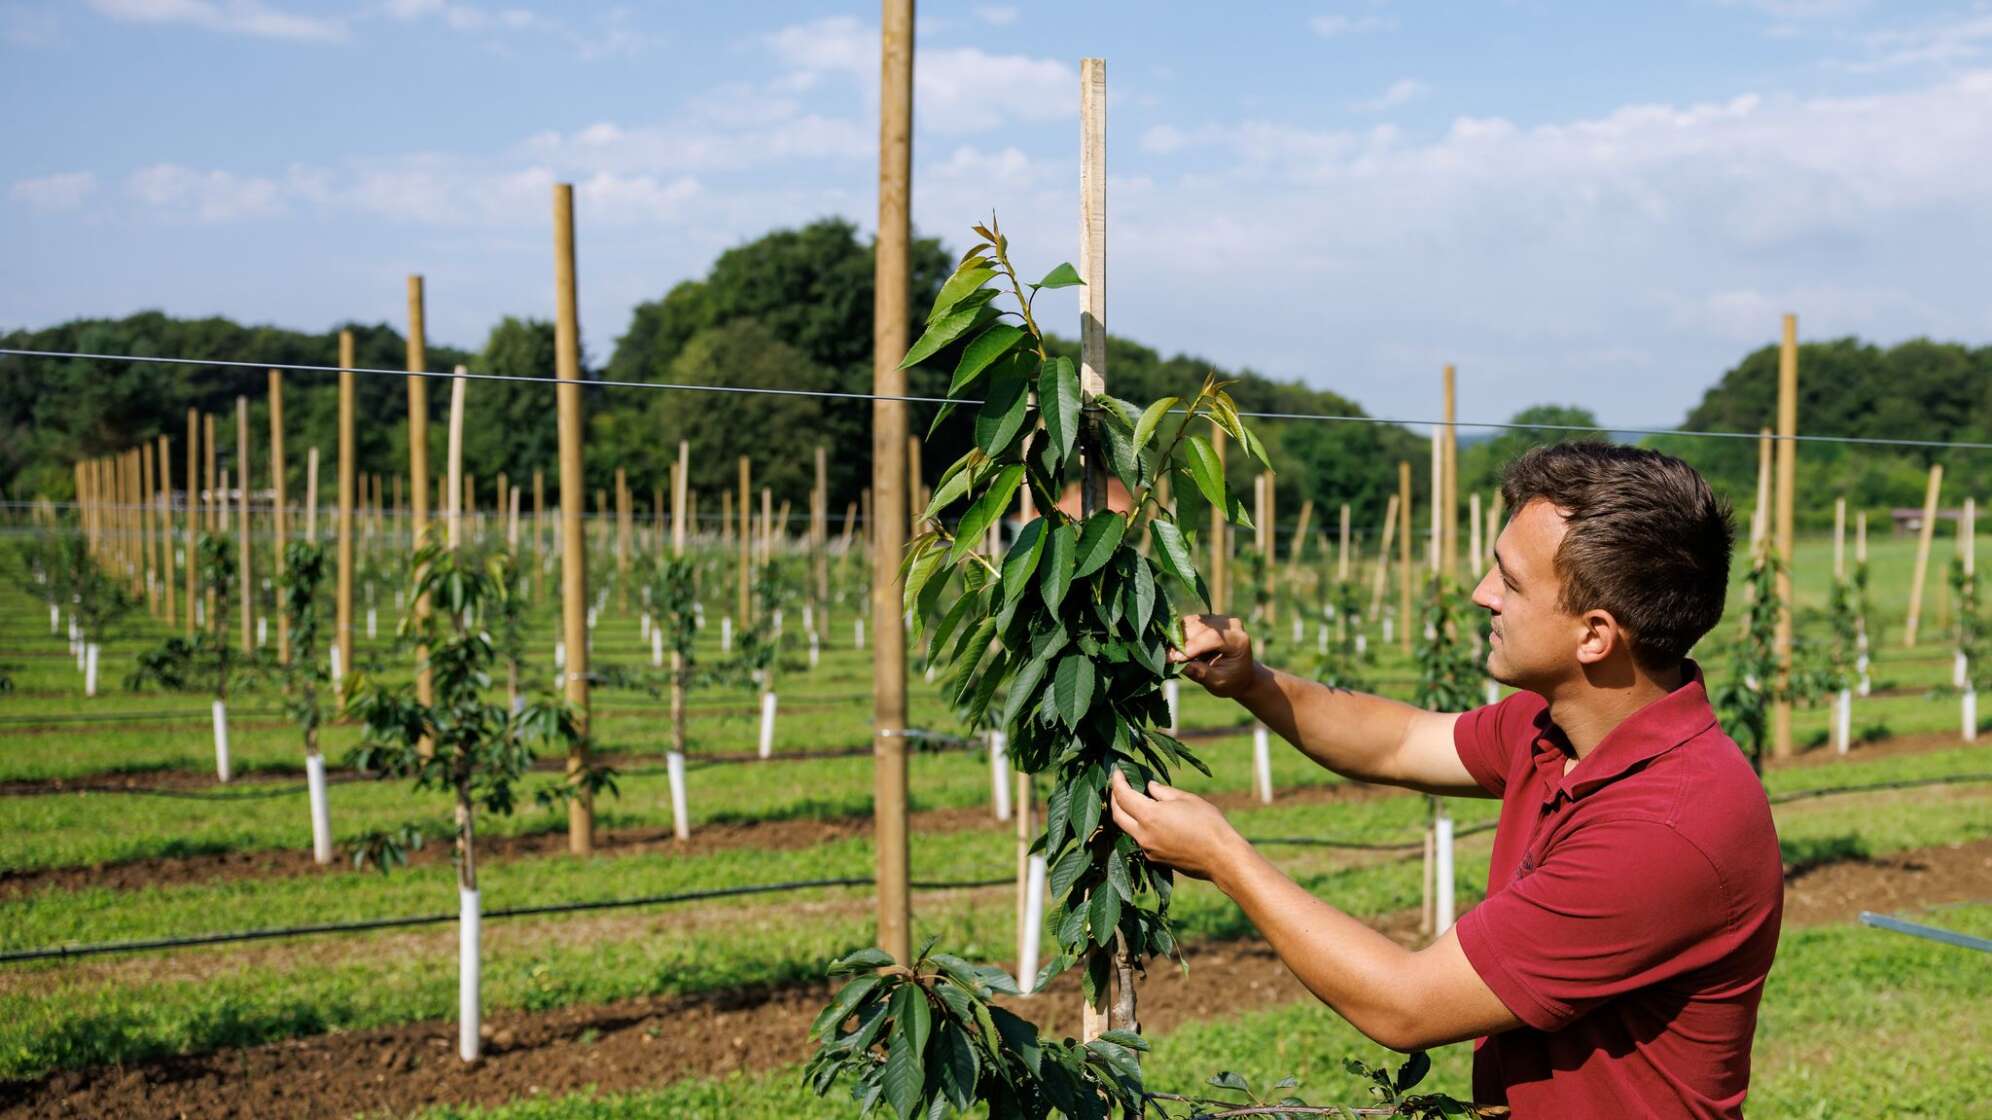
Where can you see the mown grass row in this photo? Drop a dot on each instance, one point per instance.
(64, 1016)
(1855, 1022)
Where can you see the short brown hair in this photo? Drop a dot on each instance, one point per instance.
(1648, 540)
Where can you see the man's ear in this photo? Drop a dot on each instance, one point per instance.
(1600, 637)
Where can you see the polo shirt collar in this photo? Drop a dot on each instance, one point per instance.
(1653, 730)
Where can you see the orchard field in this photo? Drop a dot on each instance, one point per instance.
(113, 828)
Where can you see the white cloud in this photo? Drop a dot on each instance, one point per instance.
(1399, 92)
(1952, 43)
(952, 85)
(63, 191)
(996, 15)
(1335, 26)
(209, 196)
(235, 17)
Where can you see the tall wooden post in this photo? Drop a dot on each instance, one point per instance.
(819, 538)
(539, 532)
(211, 509)
(165, 499)
(1384, 541)
(147, 500)
(1781, 745)
(1448, 498)
(1405, 621)
(622, 536)
(680, 472)
(889, 320)
(1220, 541)
(573, 493)
(246, 564)
(1923, 539)
(342, 634)
(744, 597)
(1113, 1010)
(418, 460)
(279, 509)
(193, 512)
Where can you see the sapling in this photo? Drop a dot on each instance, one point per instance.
(674, 596)
(476, 751)
(303, 574)
(1448, 679)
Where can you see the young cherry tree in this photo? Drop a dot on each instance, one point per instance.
(303, 575)
(461, 743)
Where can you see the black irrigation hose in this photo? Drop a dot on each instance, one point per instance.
(66, 952)
(1895, 783)
(1363, 845)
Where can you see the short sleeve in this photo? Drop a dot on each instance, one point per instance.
(1487, 738)
(1614, 907)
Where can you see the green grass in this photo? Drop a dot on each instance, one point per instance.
(1854, 1021)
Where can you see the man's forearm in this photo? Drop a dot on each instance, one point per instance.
(1350, 967)
(1351, 733)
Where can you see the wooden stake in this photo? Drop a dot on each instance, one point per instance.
(311, 495)
(342, 633)
(1923, 538)
(743, 577)
(246, 563)
(1384, 540)
(539, 532)
(1839, 539)
(819, 537)
(1404, 620)
(889, 479)
(680, 471)
(455, 461)
(148, 498)
(1298, 545)
(1115, 1010)
(1781, 744)
(622, 536)
(1449, 475)
(166, 531)
(279, 509)
(915, 484)
(1343, 569)
(1220, 545)
(574, 560)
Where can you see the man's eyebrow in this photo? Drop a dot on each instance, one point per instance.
(1505, 573)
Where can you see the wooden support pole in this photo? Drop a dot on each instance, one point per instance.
(1449, 476)
(311, 495)
(1269, 548)
(1839, 538)
(743, 569)
(573, 492)
(680, 472)
(279, 510)
(1220, 544)
(623, 525)
(1298, 544)
(819, 537)
(148, 500)
(245, 563)
(454, 464)
(1344, 562)
(1384, 540)
(1781, 744)
(891, 288)
(211, 508)
(1405, 621)
(166, 566)
(1113, 1010)
(342, 633)
(1923, 538)
(539, 533)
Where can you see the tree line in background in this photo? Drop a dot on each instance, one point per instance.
(793, 310)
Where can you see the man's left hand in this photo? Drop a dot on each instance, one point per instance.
(1173, 827)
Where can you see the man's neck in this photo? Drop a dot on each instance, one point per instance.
(1586, 712)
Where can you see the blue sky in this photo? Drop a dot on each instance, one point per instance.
(1601, 204)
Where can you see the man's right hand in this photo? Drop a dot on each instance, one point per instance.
(1217, 654)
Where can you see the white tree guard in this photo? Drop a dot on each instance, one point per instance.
(91, 653)
(1262, 763)
(1029, 935)
(767, 745)
(681, 817)
(321, 813)
(1442, 868)
(470, 922)
(999, 773)
(222, 769)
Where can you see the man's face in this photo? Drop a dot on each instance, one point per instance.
(1533, 640)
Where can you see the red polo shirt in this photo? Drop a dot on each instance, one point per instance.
(1631, 915)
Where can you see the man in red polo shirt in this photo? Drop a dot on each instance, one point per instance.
(1635, 890)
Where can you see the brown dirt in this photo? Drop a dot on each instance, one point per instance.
(638, 1044)
(771, 835)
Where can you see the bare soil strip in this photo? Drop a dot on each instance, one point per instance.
(640, 1044)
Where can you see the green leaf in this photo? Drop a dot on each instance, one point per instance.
(1127, 1039)
(982, 350)
(1066, 871)
(1141, 589)
(1413, 1070)
(905, 1079)
(1144, 428)
(1228, 1080)
(953, 485)
(1072, 688)
(911, 1015)
(1022, 560)
(860, 960)
(971, 275)
(1058, 399)
(958, 1059)
(1004, 406)
(1055, 570)
(1097, 542)
(919, 572)
(1173, 551)
(1023, 690)
(985, 511)
(1020, 1036)
(1253, 446)
(946, 329)
(840, 1008)
(1064, 276)
(1205, 468)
